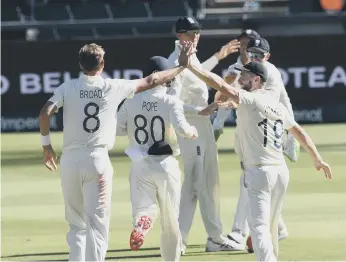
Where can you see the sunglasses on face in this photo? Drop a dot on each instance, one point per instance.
(255, 55)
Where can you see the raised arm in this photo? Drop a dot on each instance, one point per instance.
(229, 48)
(305, 140)
(215, 82)
(157, 78)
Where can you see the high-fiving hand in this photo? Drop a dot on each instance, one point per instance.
(185, 54)
(229, 48)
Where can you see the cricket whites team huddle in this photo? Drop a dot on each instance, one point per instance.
(166, 114)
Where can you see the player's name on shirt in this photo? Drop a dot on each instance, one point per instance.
(149, 106)
(269, 110)
(97, 93)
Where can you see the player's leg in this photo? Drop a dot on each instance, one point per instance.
(97, 192)
(169, 186)
(277, 196)
(240, 229)
(208, 186)
(143, 200)
(209, 192)
(188, 198)
(71, 183)
(259, 182)
(207, 180)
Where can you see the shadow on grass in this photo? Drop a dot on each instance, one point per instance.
(35, 157)
(138, 254)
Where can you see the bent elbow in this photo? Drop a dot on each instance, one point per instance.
(46, 112)
(43, 115)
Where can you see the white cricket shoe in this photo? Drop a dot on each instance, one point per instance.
(237, 237)
(291, 147)
(224, 244)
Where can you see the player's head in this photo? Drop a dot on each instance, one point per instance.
(244, 39)
(91, 59)
(188, 29)
(253, 76)
(156, 64)
(258, 50)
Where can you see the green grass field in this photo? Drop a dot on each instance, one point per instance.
(33, 225)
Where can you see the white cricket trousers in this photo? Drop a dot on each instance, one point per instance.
(156, 179)
(86, 180)
(201, 180)
(240, 229)
(266, 187)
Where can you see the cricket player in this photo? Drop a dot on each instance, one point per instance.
(232, 78)
(261, 124)
(90, 104)
(258, 49)
(151, 120)
(201, 177)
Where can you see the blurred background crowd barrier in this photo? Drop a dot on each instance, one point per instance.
(41, 40)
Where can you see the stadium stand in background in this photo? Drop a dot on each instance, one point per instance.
(101, 19)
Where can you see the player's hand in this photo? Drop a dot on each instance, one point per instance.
(195, 135)
(210, 109)
(229, 104)
(325, 167)
(186, 52)
(230, 48)
(49, 158)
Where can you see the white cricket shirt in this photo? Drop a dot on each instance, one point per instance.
(275, 84)
(153, 116)
(191, 90)
(261, 121)
(89, 109)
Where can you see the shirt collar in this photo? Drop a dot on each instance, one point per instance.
(91, 79)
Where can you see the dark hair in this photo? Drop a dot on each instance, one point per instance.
(91, 56)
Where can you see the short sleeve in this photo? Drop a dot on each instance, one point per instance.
(288, 119)
(58, 97)
(124, 88)
(246, 98)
